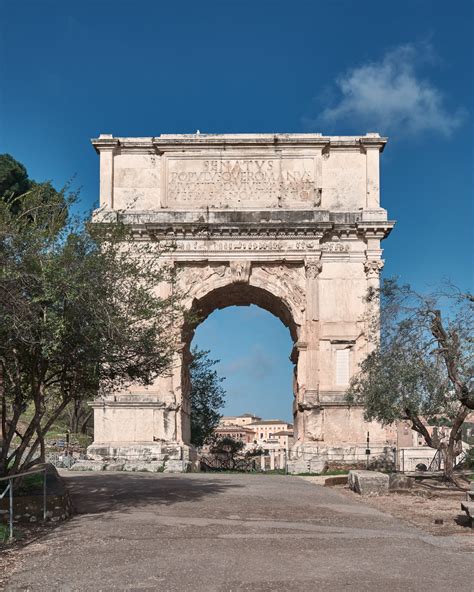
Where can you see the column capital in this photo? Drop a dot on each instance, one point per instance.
(373, 267)
(313, 267)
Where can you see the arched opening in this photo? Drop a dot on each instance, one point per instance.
(238, 322)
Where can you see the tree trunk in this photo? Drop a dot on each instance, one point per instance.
(450, 450)
(85, 421)
(75, 417)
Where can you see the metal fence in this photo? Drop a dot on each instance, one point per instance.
(9, 489)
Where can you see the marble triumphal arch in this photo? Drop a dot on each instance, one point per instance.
(290, 222)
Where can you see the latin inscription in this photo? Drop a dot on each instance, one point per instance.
(241, 180)
(252, 245)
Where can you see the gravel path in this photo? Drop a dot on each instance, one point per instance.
(232, 533)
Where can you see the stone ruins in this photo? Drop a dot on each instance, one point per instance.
(289, 222)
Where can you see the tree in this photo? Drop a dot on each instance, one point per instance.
(14, 179)
(80, 317)
(79, 416)
(229, 454)
(421, 366)
(15, 186)
(207, 396)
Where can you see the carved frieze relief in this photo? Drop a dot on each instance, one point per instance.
(240, 271)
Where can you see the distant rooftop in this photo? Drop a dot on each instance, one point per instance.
(270, 421)
(233, 428)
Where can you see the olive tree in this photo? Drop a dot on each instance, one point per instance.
(420, 366)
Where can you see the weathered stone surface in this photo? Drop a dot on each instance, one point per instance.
(399, 481)
(88, 465)
(295, 467)
(336, 480)
(289, 222)
(368, 482)
(146, 467)
(115, 466)
(177, 466)
(468, 507)
(317, 465)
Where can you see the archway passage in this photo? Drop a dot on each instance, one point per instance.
(242, 294)
(261, 302)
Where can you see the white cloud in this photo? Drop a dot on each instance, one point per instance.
(390, 95)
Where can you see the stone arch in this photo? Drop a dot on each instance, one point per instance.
(296, 229)
(206, 297)
(242, 294)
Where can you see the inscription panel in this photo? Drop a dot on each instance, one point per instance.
(276, 245)
(247, 181)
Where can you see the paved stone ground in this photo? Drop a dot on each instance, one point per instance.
(232, 533)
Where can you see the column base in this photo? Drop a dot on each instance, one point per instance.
(168, 457)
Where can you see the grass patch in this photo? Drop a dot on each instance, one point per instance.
(18, 534)
(31, 483)
(4, 533)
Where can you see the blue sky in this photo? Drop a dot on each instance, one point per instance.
(71, 70)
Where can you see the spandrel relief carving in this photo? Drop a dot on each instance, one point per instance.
(289, 279)
(194, 277)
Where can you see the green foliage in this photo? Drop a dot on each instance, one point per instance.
(207, 396)
(4, 533)
(406, 375)
(228, 454)
(421, 364)
(30, 484)
(79, 316)
(227, 445)
(13, 178)
(469, 461)
(22, 195)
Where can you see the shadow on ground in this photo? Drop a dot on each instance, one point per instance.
(94, 493)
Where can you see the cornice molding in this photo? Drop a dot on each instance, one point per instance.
(170, 142)
(318, 224)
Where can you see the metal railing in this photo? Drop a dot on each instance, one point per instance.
(9, 489)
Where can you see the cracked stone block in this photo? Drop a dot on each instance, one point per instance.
(177, 466)
(368, 482)
(143, 466)
(88, 465)
(115, 466)
(399, 481)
